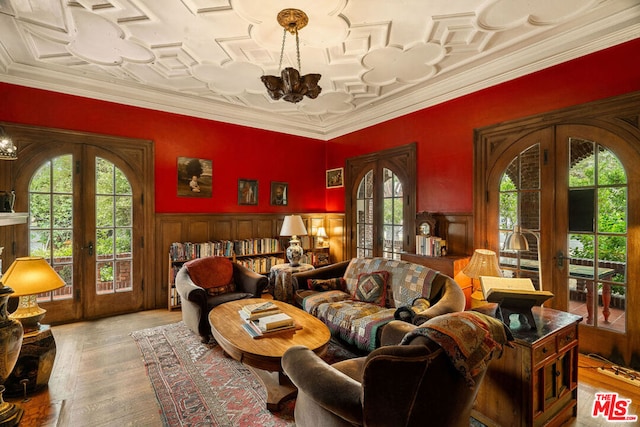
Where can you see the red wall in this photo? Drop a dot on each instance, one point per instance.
(236, 151)
(444, 133)
(444, 136)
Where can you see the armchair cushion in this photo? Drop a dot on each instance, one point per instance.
(372, 287)
(211, 273)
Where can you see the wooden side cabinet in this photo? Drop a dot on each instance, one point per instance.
(451, 265)
(535, 383)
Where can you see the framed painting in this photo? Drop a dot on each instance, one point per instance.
(335, 178)
(247, 192)
(195, 177)
(279, 193)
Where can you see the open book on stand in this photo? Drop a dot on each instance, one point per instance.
(514, 296)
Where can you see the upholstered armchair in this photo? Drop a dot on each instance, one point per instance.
(415, 383)
(207, 282)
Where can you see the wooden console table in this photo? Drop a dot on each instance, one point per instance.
(534, 383)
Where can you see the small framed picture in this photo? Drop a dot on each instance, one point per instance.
(279, 193)
(247, 192)
(194, 177)
(335, 178)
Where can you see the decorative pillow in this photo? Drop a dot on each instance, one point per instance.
(211, 273)
(372, 287)
(322, 285)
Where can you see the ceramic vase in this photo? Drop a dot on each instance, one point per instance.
(11, 334)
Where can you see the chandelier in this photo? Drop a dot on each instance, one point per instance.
(8, 150)
(291, 86)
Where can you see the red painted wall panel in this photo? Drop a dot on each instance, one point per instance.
(444, 133)
(236, 151)
(444, 136)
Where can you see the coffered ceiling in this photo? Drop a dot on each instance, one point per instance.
(379, 59)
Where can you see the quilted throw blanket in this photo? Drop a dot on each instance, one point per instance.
(470, 339)
(408, 281)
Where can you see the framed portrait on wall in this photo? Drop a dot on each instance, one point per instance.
(335, 178)
(195, 177)
(247, 192)
(279, 193)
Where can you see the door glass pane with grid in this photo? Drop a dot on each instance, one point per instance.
(519, 204)
(597, 239)
(392, 215)
(51, 221)
(365, 217)
(114, 222)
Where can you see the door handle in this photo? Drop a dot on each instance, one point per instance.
(560, 259)
(90, 248)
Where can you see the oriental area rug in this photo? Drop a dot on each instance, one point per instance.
(197, 385)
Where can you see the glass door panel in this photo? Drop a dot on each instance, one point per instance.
(597, 239)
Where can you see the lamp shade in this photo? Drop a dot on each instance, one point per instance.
(516, 241)
(293, 226)
(30, 276)
(322, 232)
(483, 263)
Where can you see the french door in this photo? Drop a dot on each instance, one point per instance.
(86, 218)
(381, 203)
(573, 190)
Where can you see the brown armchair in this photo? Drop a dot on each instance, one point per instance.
(207, 282)
(413, 384)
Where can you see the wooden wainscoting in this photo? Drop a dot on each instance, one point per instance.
(208, 227)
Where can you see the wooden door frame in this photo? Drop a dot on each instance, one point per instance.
(401, 161)
(35, 142)
(494, 146)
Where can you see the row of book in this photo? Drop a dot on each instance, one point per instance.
(256, 246)
(179, 251)
(261, 265)
(265, 318)
(430, 245)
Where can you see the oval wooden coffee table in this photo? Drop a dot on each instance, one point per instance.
(265, 354)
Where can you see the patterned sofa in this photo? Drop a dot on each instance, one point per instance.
(356, 298)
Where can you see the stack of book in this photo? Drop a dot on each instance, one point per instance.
(263, 319)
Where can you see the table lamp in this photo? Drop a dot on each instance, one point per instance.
(322, 236)
(28, 277)
(483, 263)
(294, 226)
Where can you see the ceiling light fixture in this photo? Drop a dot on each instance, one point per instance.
(8, 150)
(291, 86)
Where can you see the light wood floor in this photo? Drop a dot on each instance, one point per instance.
(99, 379)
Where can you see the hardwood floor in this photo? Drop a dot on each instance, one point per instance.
(99, 379)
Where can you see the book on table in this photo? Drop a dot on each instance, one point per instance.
(258, 328)
(261, 309)
(274, 321)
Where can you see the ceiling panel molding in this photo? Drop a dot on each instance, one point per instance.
(152, 64)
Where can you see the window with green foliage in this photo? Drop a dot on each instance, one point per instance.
(51, 220)
(114, 222)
